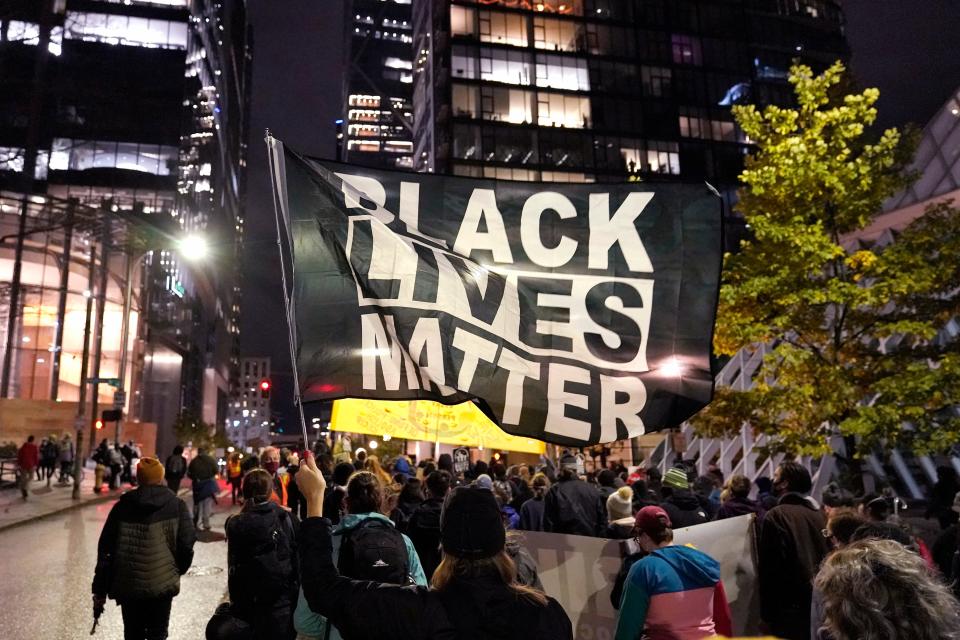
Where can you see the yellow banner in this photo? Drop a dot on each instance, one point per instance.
(460, 424)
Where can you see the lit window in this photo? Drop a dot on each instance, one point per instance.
(503, 28)
(462, 21)
(554, 35)
(686, 49)
(558, 110)
(560, 72)
(125, 30)
(510, 67)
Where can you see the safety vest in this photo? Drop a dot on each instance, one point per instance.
(279, 494)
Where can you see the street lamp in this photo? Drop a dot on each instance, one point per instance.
(194, 247)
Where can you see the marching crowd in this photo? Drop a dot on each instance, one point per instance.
(346, 546)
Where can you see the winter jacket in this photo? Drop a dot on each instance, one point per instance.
(739, 507)
(28, 457)
(201, 468)
(674, 593)
(310, 623)
(263, 577)
(175, 466)
(424, 531)
(531, 515)
(66, 451)
(573, 506)
(790, 551)
(684, 509)
(511, 519)
(481, 608)
(145, 546)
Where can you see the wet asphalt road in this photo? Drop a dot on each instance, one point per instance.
(46, 568)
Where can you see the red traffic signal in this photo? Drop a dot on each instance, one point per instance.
(98, 424)
(265, 388)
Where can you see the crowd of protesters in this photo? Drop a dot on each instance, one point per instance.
(341, 544)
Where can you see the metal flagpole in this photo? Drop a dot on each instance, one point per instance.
(274, 147)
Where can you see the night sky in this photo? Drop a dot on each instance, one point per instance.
(906, 49)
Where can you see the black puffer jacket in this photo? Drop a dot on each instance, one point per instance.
(684, 509)
(145, 546)
(263, 571)
(479, 609)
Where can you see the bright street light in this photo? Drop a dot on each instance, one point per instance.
(194, 247)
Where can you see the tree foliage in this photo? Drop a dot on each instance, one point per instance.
(191, 429)
(854, 332)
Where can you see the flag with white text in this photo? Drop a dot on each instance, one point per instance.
(570, 313)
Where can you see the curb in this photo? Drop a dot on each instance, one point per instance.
(72, 506)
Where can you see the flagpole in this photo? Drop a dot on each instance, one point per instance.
(275, 162)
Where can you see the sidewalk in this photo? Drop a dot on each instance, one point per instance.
(57, 498)
(46, 501)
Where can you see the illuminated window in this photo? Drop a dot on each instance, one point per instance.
(561, 72)
(80, 155)
(463, 21)
(363, 145)
(510, 67)
(558, 110)
(125, 30)
(694, 124)
(506, 105)
(662, 157)
(507, 173)
(555, 35)
(360, 100)
(563, 176)
(503, 28)
(466, 99)
(463, 62)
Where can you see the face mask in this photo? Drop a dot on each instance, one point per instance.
(271, 467)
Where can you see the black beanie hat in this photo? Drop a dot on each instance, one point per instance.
(471, 525)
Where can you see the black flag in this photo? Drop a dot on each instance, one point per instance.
(570, 313)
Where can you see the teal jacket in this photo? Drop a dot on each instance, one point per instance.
(313, 624)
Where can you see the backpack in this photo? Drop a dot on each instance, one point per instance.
(176, 466)
(374, 550)
(262, 559)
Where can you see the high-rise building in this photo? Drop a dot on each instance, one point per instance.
(600, 90)
(378, 113)
(249, 413)
(132, 110)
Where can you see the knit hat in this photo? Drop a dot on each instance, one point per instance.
(149, 471)
(620, 504)
(569, 461)
(676, 478)
(652, 520)
(471, 525)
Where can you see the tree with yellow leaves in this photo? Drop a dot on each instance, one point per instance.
(856, 335)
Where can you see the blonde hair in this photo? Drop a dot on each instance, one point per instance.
(879, 590)
(453, 567)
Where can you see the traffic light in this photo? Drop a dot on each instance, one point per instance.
(264, 389)
(98, 424)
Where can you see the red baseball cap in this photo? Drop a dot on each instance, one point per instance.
(651, 520)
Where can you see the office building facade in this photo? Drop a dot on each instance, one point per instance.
(378, 113)
(249, 413)
(110, 106)
(602, 90)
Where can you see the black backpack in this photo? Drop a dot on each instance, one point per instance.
(374, 550)
(262, 558)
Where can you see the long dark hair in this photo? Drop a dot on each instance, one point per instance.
(257, 487)
(364, 493)
(452, 568)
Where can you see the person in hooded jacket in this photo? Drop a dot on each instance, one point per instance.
(263, 578)
(424, 525)
(474, 591)
(739, 503)
(365, 499)
(336, 494)
(145, 546)
(531, 513)
(202, 471)
(674, 591)
(683, 507)
(572, 505)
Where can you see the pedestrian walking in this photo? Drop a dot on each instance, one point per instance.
(474, 591)
(115, 464)
(145, 546)
(424, 525)
(673, 592)
(67, 453)
(790, 550)
(367, 546)
(262, 558)
(49, 454)
(202, 471)
(176, 468)
(235, 477)
(28, 461)
(573, 506)
(531, 513)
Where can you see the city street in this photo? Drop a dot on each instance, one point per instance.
(47, 568)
